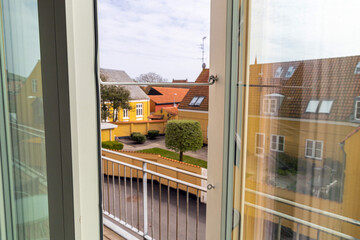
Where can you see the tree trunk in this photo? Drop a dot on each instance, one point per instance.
(181, 156)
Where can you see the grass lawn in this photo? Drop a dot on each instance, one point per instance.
(175, 156)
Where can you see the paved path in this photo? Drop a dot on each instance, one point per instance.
(159, 142)
(128, 205)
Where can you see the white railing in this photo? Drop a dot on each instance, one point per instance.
(185, 216)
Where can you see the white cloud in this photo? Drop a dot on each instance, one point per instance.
(161, 36)
(284, 30)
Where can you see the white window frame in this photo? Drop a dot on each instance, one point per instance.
(277, 143)
(34, 85)
(139, 110)
(125, 113)
(193, 101)
(314, 142)
(199, 101)
(356, 109)
(256, 144)
(267, 106)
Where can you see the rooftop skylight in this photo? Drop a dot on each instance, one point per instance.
(357, 68)
(290, 72)
(196, 101)
(312, 106)
(278, 72)
(326, 106)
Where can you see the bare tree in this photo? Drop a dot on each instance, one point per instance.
(150, 77)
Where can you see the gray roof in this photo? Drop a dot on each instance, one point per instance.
(136, 93)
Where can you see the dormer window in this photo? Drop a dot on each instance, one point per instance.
(290, 72)
(317, 106)
(270, 106)
(278, 72)
(357, 110)
(357, 68)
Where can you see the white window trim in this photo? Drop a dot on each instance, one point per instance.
(276, 75)
(277, 143)
(357, 68)
(34, 85)
(257, 147)
(142, 110)
(317, 106)
(127, 113)
(267, 103)
(356, 107)
(314, 148)
(320, 105)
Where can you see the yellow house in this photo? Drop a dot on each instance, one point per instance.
(139, 101)
(195, 104)
(302, 140)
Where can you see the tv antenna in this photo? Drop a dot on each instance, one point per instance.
(203, 52)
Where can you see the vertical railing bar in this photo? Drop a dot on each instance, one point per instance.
(108, 191)
(152, 206)
(145, 199)
(197, 214)
(159, 208)
(177, 211)
(137, 198)
(318, 235)
(125, 194)
(119, 191)
(168, 210)
(187, 210)
(131, 198)
(298, 231)
(279, 229)
(113, 180)
(103, 184)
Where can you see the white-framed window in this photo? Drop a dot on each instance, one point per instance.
(312, 106)
(325, 106)
(259, 144)
(357, 68)
(290, 72)
(34, 85)
(357, 110)
(278, 72)
(125, 113)
(270, 105)
(314, 149)
(139, 109)
(199, 101)
(193, 101)
(277, 143)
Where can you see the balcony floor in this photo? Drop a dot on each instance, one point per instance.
(110, 235)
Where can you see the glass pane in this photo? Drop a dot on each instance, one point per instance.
(303, 189)
(24, 168)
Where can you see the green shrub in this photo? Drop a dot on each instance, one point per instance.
(113, 145)
(138, 137)
(134, 133)
(152, 134)
(183, 135)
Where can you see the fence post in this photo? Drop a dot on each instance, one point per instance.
(145, 200)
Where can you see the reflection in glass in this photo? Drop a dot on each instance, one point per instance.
(301, 124)
(26, 161)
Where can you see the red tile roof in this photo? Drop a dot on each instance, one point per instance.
(167, 95)
(198, 91)
(171, 110)
(320, 79)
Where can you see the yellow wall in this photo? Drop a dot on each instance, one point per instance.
(124, 129)
(107, 135)
(202, 117)
(132, 112)
(107, 168)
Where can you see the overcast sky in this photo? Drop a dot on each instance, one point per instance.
(161, 36)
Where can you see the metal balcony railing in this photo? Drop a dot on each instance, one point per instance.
(143, 208)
